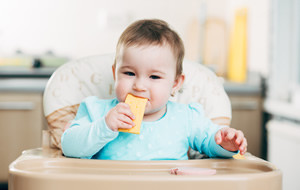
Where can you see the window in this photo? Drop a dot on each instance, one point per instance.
(284, 81)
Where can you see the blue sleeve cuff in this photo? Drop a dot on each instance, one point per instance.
(106, 134)
(219, 151)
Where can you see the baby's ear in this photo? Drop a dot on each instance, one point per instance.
(178, 82)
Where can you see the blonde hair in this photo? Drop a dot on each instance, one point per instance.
(151, 32)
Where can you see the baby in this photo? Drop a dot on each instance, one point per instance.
(148, 64)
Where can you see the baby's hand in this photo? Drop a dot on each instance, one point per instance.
(231, 139)
(120, 117)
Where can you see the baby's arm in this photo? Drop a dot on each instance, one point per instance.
(231, 140)
(203, 132)
(88, 133)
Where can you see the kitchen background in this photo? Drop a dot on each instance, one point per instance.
(254, 45)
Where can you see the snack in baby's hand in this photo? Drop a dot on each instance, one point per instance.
(238, 156)
(137, 106)
(192, 171)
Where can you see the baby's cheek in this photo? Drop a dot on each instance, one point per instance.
(121, 91)
(120, 96)
(148, 107)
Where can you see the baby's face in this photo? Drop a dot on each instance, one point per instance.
(149, 72)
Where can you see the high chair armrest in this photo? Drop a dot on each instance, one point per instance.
(47, 169)
(46, 138)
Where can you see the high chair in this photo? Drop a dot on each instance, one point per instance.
(46, 168)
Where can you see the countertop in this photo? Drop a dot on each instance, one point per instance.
(23, 84)
(23, 72)
(242, 88)
(22, 79)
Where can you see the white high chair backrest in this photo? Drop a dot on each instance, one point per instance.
(92, 76)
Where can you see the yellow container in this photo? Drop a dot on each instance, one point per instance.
(237, 63)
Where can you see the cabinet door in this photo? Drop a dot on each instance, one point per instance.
(21, 123)
(247, 117)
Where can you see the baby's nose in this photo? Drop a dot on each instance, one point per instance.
(139, 85)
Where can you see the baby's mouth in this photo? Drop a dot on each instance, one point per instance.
(140, 96)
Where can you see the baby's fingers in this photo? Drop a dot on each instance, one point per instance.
(124, 119)
(124, 108)
(243, 146)
(218, 137)
(239, 137)
(231, 133)
(123, 125)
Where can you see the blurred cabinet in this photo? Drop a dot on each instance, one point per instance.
(247, 116)
(21, 124)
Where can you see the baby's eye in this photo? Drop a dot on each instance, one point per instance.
(129, 73)
(154, 77)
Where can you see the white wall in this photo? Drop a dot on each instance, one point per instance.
(77, 28)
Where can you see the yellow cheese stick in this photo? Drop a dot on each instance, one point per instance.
(137, 106)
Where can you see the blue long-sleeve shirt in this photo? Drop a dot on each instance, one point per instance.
(165, 139)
